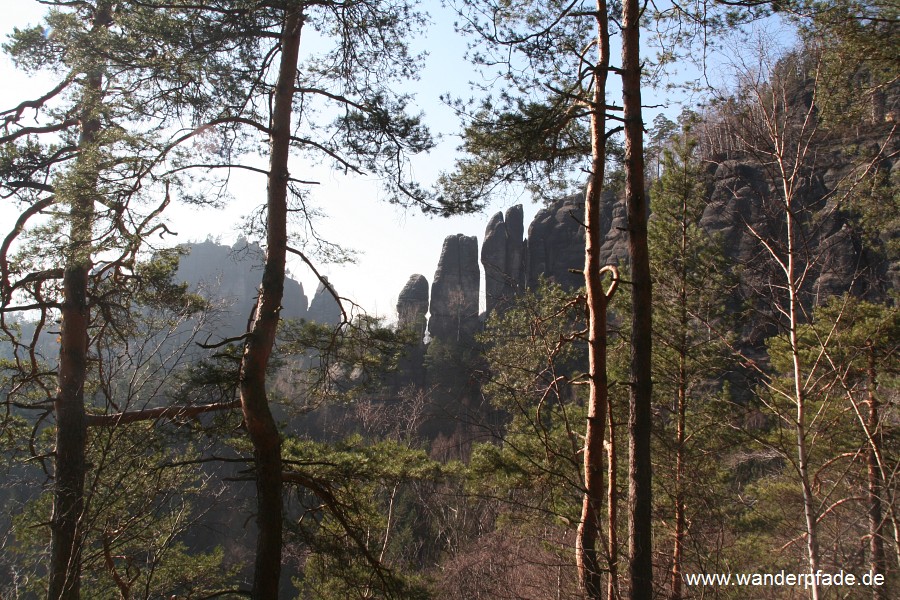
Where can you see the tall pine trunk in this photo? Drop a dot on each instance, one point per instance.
(612, 509)
(640, 564)
(71, 422)
(258, 418)
(66, 536)
(598, 402)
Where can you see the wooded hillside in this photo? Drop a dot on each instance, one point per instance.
(686, 367)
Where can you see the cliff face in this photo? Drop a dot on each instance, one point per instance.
(412, 306)
(503, 256)
(556, 240)
(556, 243)
(744, 211)
(455, 290)
(229, 275)
(324, 308)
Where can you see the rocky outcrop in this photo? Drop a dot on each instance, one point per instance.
(554, 250)
(412, 317)
(737, 196)
(455, 290)
(743, 210)
(556, 240)
(412, 306)
(503, 257)
(229, 276)
(556, 243)
(324, 309)
(614, 226)
(746, 211)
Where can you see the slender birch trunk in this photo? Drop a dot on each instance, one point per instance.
(810, 512)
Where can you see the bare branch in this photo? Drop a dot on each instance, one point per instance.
(168, 413)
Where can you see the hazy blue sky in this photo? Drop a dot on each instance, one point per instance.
(391, 243)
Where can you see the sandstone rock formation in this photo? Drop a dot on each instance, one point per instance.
(455, 290)
(503, 257)
(743, 208)
(556, 243)
(229, 276)
(737, 193)
(556, 240)
(324, 309)
(412, 306)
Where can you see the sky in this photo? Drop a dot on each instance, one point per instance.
(390, 243)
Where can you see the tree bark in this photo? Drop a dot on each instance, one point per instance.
(640, 563)
(588, 533)
(810, 510)
(877, 562)
(71, 424)
(612, 465)
(258, 418)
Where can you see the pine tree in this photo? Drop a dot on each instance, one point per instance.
(691, 283)
(86, 176)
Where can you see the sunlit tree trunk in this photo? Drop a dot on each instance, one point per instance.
(612, 510)
(258, 418)
(598, 402)
(810, 511)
